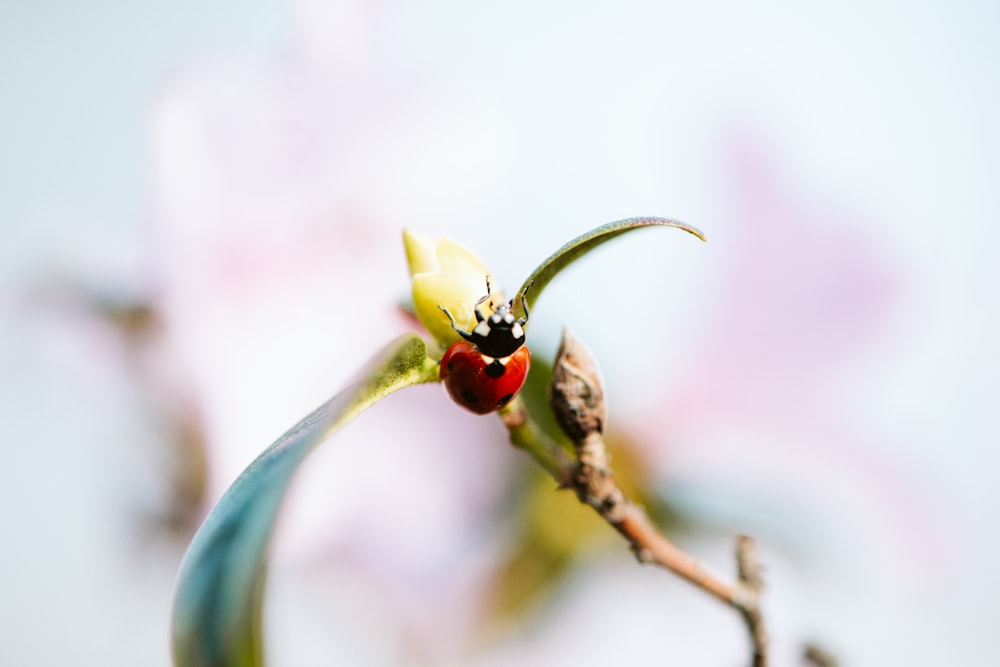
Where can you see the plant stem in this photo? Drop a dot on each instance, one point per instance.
(578, 401)
(528, 436)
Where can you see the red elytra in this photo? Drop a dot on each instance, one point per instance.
(480, 383)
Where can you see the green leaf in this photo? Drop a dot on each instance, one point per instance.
(580, 246)
(217, 606)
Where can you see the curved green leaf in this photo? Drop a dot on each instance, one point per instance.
(217, 606)
(580, 246)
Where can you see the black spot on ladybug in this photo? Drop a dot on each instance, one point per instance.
(469, 396)
(505, 400)
(495, 369)
(451, 366)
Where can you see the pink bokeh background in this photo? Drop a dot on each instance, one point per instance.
(820, 374)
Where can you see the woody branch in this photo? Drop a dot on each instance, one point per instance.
(577, 398)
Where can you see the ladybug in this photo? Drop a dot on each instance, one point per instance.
(480, 383)
(486, 370)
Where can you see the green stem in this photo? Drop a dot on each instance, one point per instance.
(528, 436)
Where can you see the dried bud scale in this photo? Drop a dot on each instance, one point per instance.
(576, 393)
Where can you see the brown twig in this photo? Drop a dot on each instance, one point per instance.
(578, 401)
(819, 657)
(748, 570)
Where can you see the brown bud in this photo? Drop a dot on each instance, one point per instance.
(576, 393)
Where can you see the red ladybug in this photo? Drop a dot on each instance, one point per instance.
(487, 369)
(481, 383)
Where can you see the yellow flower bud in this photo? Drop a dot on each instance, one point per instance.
(448, 275)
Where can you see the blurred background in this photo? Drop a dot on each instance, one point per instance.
(200, 214)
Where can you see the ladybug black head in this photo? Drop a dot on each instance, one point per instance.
(500, 334)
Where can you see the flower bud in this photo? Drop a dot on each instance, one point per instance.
(445, 274)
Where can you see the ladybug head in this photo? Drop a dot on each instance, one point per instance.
(502, 318)
(500, 334)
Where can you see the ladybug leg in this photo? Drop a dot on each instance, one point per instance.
(464, 334)
(479, 315)
(524, 303)
(524, 306)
